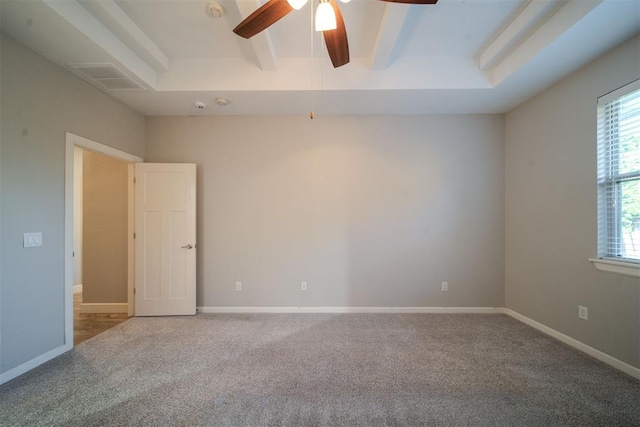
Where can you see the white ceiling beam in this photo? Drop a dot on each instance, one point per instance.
(391, 24)
(513, 32)
(261, 42)
(142, 42)
(562, 20)
(94, 30)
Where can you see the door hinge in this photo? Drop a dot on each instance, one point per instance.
(134, 179)
(134, 235)
(134, 291)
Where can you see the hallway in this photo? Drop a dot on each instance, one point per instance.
(87, 326)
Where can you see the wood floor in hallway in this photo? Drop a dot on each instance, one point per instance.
(87, 326)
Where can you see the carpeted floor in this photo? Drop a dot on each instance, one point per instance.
(322, 369)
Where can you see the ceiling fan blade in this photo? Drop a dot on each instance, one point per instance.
(336, 40)
(412, 1)
(265, 16)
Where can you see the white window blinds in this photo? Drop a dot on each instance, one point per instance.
(619, 173)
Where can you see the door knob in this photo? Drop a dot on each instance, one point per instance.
(187, 247)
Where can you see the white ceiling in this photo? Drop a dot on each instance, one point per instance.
(458, 56)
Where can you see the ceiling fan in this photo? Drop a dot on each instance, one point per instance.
(328, 20)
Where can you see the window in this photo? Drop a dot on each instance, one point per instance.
(619, 174)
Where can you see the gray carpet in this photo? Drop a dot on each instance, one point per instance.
(322, 369)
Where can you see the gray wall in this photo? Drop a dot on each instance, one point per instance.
(370, 211)
(39, 103)
(105, 216)
(551, 212)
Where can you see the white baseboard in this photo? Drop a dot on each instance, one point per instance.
(77, 288)
(105, 308)
(486, 310)
(603, 357)
(33, 363)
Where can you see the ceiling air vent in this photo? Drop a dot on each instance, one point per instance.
(106, 76)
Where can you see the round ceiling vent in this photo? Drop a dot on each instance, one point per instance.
(215, 9)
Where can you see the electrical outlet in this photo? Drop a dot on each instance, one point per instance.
(238, 286)
(445, 286)
(583, 312)
(303, 286)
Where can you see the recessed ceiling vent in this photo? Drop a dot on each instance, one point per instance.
(106, 76)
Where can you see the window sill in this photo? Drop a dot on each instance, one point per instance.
(627, 268)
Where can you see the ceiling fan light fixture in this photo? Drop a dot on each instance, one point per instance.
(325, 17)
(297, 4)
(345, 1)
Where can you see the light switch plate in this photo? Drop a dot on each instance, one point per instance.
(32, 240)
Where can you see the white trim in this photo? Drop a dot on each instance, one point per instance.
(603, 357)
(620, 267)
(68, 242)
(71, 141)
(33, 363)
(90, 145)
(483, 310)
(77, 289)
(543, 32)
(130, 240)
(113, 307)
(526, 19)
(621, 91)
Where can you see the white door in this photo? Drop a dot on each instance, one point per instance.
(165, 239)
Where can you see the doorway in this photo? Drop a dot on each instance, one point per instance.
(72, 175)
(99, 243)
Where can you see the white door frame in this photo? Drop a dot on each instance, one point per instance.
(72, 141)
